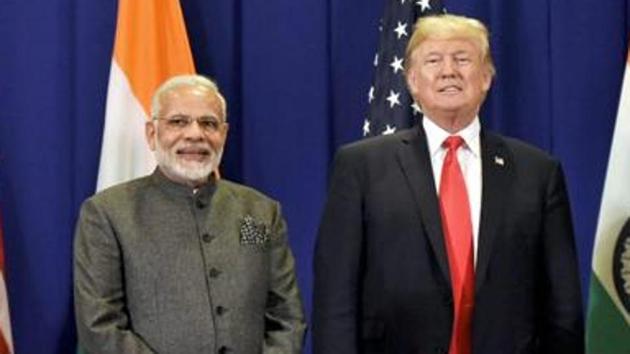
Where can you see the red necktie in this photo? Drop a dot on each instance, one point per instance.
(455, 211)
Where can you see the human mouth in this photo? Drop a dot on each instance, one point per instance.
(450, 89)
(193, 153)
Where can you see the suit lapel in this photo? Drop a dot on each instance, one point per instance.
(415, 161)
(497, 167)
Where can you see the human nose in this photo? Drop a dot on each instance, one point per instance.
(449, 68)
(193, 130)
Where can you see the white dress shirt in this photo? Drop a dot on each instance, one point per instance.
(469, 157)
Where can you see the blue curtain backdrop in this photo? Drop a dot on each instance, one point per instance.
(296, 74)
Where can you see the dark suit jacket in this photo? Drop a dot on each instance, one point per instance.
(381, 270)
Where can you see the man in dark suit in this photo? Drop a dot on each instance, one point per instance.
(446, 238)
(181, 261)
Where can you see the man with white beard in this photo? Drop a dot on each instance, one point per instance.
(182, 261)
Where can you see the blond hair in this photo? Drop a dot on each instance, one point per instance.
(450, 27)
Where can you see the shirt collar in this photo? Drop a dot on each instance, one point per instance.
(436, 136)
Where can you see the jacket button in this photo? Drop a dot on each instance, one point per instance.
(214, 273)
(207, 238)
(220, 310)
(223, 350)
(200, 204)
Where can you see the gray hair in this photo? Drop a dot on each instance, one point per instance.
(190, 81)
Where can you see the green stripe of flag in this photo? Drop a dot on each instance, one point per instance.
(608, 332)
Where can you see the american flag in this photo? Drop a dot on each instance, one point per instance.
(390, 106)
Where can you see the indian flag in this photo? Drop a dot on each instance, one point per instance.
(6, 341)
(150, 46)
(608, 325)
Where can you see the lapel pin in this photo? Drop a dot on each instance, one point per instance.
(499, 161)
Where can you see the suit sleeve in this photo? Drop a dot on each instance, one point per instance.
(562, 330)
(102, 321)
(337, 263)
(284, 315)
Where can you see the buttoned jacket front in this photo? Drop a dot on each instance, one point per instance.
(159, 268)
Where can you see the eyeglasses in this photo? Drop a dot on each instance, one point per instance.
(180, 122)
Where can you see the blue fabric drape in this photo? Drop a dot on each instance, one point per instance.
(296, 75)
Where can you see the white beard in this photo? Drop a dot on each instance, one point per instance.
(188, 172)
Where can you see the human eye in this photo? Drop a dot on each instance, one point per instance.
(178, 121)
(432, 60)
(462, 59)
(209, 123)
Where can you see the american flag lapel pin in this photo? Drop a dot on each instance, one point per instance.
(499, 161)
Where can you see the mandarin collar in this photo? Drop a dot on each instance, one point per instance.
(202, 194)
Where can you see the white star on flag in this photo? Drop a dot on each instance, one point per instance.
(424, 4)
(416, 108)
(393, 99)
(397, 64)
(366, 127)
(389, 129)
(401, 29)
(371, 94)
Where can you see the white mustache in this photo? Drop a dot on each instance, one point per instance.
(195, 148)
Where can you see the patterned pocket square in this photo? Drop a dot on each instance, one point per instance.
(253, 233)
